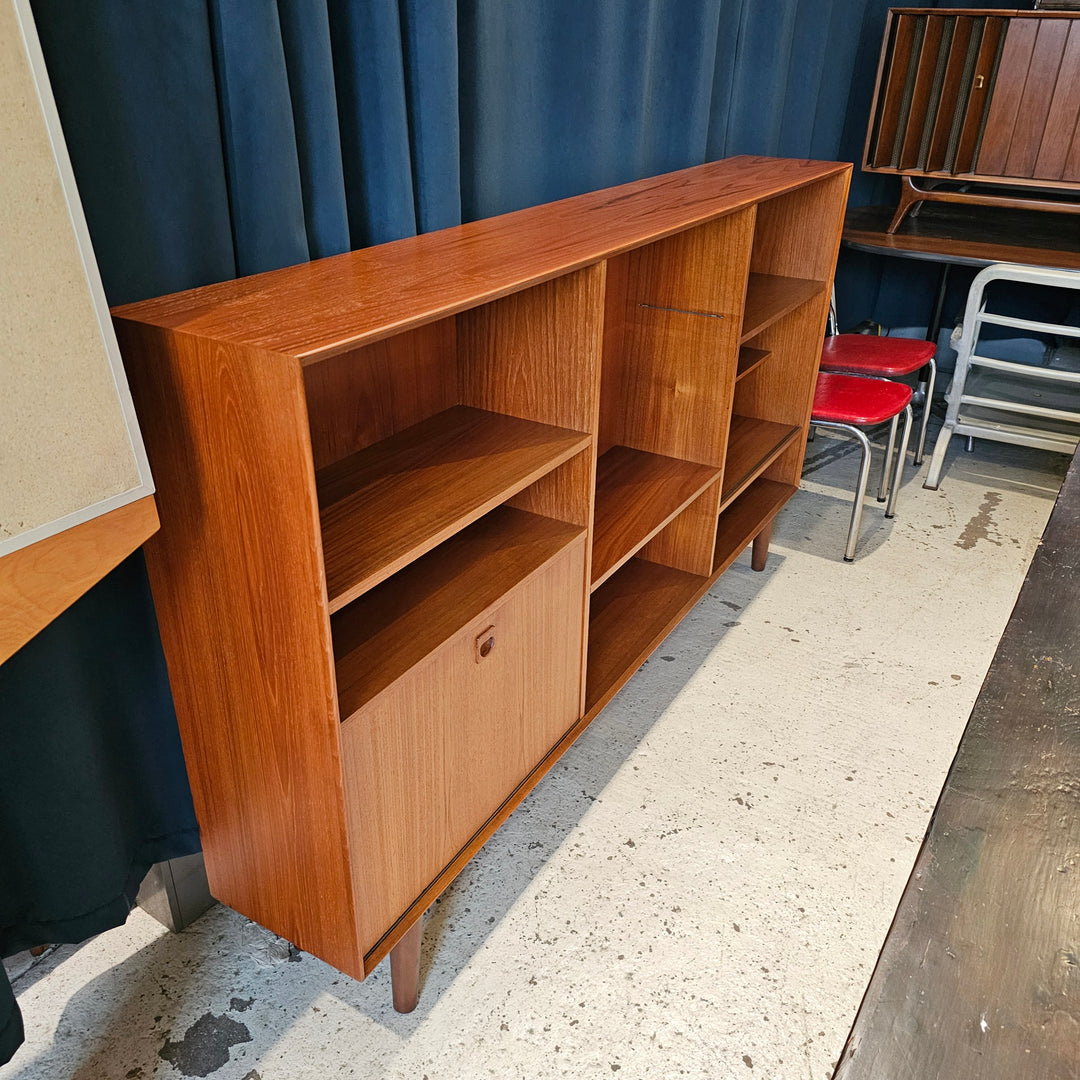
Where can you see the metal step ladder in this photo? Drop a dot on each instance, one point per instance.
(1005, 400)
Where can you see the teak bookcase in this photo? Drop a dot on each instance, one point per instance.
(426, 506)
(978, 95)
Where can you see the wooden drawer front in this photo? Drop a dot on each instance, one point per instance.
(433, 756)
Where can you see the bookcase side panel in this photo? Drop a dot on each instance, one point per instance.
(237, 576)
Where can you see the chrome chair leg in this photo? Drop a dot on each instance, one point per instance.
(860, 488)
(890, 510)
(920, 447)
(886, 467)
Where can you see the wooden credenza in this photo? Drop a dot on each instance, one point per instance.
(426, 506)
(974, 96)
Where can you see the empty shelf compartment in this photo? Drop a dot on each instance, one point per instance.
(388, 504)
(629, 615)
(745, 517)
(753, 445)
(770, 297)
(637, 494)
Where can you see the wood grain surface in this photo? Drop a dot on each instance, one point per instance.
(429, 760)
(637, 494)
(742, 520)
(769, 297)
(979, 976)
(379, 637)
(966, 234)
(336, 304)
(40, 581)
(392, 502)
(237, 576)
(631, 613)
(754, 444)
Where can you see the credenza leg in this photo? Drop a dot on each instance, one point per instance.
(405, 968)
(761, 548)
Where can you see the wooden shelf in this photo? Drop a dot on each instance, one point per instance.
(749, 358)
(637, 494)
(744, 518)
(752, 446)
(390, 503)
(629, 616)
(770, 297)
(380, 636)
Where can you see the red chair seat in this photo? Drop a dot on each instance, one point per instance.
(868, 354)
(848, 399)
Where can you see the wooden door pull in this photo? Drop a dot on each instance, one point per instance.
(485, 642)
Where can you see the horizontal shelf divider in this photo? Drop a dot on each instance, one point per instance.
(749, 358)
(380, 636)
(630, 614)
(637, 494)
(390, 503)
(745, 517)
(753, 445)
(770, 297)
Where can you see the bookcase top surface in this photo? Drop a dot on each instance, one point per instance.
(319, 309)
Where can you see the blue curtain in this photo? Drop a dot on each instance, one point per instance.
(216, 138)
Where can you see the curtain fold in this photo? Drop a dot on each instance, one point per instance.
(213, 138)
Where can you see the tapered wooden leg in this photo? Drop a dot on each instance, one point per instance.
(405, 968)
(761, 548)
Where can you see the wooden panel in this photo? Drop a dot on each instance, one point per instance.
(979, 976)
(396, 500)
(637, 494)
(978, 104)
(380, 636)
(359, 397)
(744, 518)
(1038, 91)
(670, 341)
(687, 541)
(892, 92)
(632, 613)
(1061, 120)
(415, 794)
(754, 444)
(749, 358)
(798, 234)
(1008, 90)
(959, 71)
(923, 98)
(312, 310)
(38, 582)
(237, 575)
(770, 297)
(536, 354)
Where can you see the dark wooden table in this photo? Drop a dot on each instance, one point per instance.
(968, 236)
(979, 976)
(973, 236)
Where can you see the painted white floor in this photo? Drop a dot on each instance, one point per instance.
(699, 889)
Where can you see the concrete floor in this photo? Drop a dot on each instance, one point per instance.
(700, 888)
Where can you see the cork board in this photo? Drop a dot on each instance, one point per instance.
(70, 448)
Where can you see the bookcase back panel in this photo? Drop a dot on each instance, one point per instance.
(671, 341)
(359, 397)
(536, 354)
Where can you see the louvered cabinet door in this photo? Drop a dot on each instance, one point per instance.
(978, 95)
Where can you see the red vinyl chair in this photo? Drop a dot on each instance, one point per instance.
(849, 403)
(882, 358)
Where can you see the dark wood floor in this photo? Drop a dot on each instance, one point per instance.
(980, 972)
